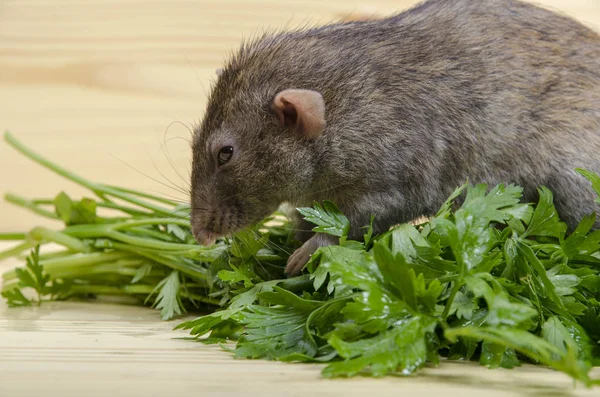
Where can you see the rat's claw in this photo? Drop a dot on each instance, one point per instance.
(298, 260)
(301, 256)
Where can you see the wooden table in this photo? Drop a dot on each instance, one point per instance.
(99, 86)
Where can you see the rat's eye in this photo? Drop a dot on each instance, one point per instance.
(225, 154)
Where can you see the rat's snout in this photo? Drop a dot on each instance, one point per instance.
(203, 236)
(212, 219)
(203, 227)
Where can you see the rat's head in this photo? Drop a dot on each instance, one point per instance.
(254, 149)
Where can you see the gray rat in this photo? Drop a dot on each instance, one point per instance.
(386, 117)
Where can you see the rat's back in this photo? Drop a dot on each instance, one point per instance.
(487, 90)
(493, 91)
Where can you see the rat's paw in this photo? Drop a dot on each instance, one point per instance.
(301, 256)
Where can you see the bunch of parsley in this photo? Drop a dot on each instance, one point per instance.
(125, 243)
(495, 280)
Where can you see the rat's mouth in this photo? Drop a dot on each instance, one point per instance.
(206, 236)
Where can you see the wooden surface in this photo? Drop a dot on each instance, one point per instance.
(100, 86)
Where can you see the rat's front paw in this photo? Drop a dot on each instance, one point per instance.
(301, 256)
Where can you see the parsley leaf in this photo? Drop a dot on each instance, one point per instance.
(15, 298)
(328, 219)
(402, 348)
(545, 220)
(168, 300)
(75, 213)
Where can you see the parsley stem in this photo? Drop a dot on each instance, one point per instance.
(43, 234)
(134, 289)
(62, 264)
(457, 285)
(195, 271)
(17, 249)
(153, 221)
(100, 204)
(97, 231)
(99, 189)
(128, 289)
(28, 204)
(120, 267)
(143, 231)
(12, 236)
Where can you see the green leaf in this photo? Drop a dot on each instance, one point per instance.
(250, 296)
(204, 324)
(593, 178)
(556, 333)
(368, 236)
(178, 232)
(537, 270)
(15, 298)
(464, 306)
(576, 242)
(590, 323)
(279, 331)
(501, 311)
(494, 355)
(325, 256)
(418, 253)
(398, 278)
(445, 209)
(247, 242)
(527, 344)
(545, 220)
(142, 272)
(522, 212)
(470, 236)
(280, 296)
(33, 276)
(329, 219)
(75, 213)
(402, 348)
(275, 332)
(568, 335)
(168, 300)
(236, 275)
(564, 283)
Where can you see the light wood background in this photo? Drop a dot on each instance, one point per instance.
(99, 86)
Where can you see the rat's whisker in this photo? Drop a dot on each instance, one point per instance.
(174, 185)
(146, 175)
(165, 149)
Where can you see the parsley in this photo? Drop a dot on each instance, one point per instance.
(33, 277)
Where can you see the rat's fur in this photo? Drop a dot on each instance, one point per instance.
(496, 91)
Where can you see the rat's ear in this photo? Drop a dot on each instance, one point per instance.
(301, 109)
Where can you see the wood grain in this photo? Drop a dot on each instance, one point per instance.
(99, 86)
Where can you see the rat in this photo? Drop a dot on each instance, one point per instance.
(386, 117)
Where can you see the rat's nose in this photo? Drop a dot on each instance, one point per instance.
(204, 236)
